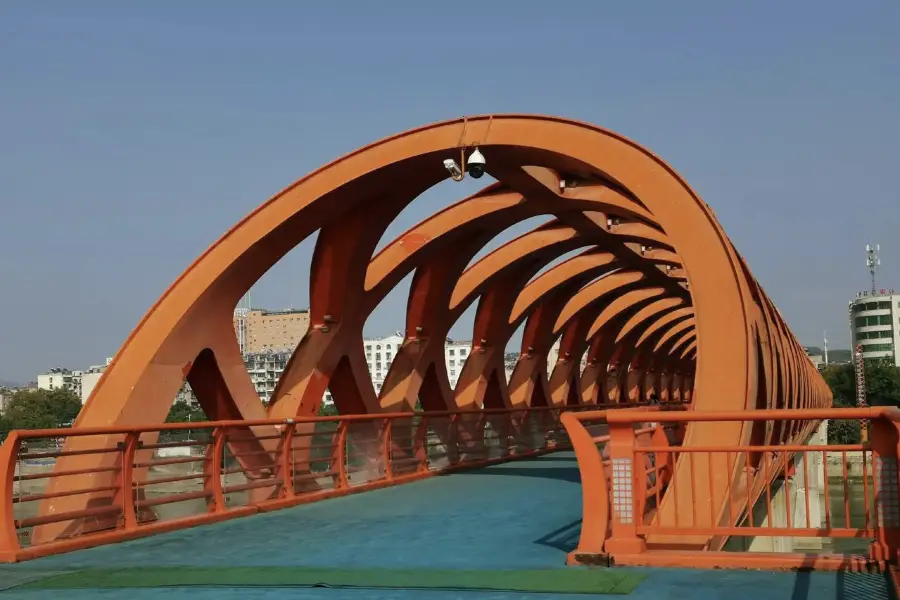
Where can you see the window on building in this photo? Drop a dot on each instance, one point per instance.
(882, 305)
(377, 366)
(878, 347)
(451, 352)
(871, 306)
(378, 347)
(452, 372)
(462, 352)
(884, 319)
(452, 363)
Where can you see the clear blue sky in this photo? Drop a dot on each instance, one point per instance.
(133, 134)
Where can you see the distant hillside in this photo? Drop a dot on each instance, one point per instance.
(839, 356)
(834, 356)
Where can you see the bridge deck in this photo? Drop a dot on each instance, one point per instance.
(520, 515)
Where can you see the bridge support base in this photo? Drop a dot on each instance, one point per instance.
(768, 561)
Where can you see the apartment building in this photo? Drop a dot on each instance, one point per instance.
(60, 378)
(261, 330)
(266, 368)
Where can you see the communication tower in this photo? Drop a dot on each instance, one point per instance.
(873, 261)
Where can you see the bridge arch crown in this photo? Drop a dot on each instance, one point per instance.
(611, 180)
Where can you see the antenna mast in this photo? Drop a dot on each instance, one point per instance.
(825, 358)
(873, 261)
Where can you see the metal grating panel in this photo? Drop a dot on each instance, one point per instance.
(886, 480)
(622, 490)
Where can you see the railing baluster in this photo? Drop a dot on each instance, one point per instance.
(693, 489)
(125, 493)
(867, 516)
(386, 449)
(806, 485)
(846, 488)
(712, 494)
(767, 457)
(788, 513)
(748, 483)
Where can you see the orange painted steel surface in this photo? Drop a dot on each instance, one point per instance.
(155, 492)
(625, 479)
(658, 299)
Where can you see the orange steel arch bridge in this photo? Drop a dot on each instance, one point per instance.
(656, 296)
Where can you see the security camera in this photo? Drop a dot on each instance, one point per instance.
(475, 164)
(454, 170)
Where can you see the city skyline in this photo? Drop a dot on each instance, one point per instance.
(135, 135)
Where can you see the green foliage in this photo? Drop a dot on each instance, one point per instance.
(840, 356)
(328, 410)
(40, 409)
(834, 355)
(182, 412)
(882, 389)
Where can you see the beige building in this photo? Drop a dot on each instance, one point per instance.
(260, 330)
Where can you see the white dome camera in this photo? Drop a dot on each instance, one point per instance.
(475, 164)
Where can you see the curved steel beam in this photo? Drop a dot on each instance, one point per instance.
(652, 241)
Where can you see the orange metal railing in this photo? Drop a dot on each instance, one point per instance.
(649, 501)
(143, 480)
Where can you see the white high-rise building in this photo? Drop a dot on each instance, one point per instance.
(455, 354)
(875, 324)
(380, 353)
(60, 379)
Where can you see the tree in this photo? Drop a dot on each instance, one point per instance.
(882, 389)
(41, 409)
(328, 410)
(182, 412)
(5, 427)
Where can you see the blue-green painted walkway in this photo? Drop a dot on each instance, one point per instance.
(518, 515)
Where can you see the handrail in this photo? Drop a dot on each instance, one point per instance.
(114, 429)
(742, 474)
(779, 414)
(97, 491)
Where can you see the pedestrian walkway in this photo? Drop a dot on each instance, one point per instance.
(520, 516)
